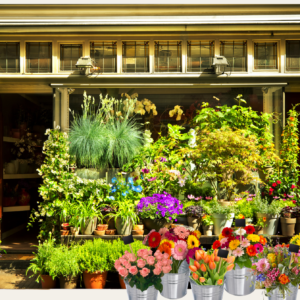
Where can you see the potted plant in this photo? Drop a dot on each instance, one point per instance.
(158, 211)
(288, 221)
(207, 225)
(244, 245)
(245, 208)
(284, 282)
(207, 274)
(194, 214)
(222, 216)
(94, 262)
(40, 263)
(64, 265)
(297, 216)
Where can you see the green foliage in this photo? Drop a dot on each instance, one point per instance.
(262, 206)
(245, 208)
(197, 190)
(213, 207)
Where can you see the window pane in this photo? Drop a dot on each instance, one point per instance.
(39, 57)
(69, 55)
(293, 55)
(167, 56)
(10, 57)
(104, 55)
(265, 56)
(236, 54)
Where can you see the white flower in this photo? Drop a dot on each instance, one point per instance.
(237, 232)
(181, 182)
(57, 127)
(40, 220)
(47, 132)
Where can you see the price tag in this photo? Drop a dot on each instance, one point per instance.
(240, 223)
(128, 239)
(223, 253)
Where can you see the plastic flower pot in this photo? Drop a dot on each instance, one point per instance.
(65, 226)
(122, 227)
(271, 222)
(288, 226)
(68, 282)
(194, 222)
(156, 223)
(95, 280)
(89, 226)
(47, 282)
(220, 222)
(208, 229)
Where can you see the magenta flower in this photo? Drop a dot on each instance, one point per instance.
(191, 197)
(208, 198)
(198, 198)
(258, 247)
(152, 179)
(262, 265)
(180, 250)
(162, 159)
(191, 254)
(249, 199)
(145, 171)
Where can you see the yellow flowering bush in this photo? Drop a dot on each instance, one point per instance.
(253, 238)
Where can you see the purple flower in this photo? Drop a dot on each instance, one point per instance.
(152, 179)
(145, 171)
(162, 159)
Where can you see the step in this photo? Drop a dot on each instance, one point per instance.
(15, 261)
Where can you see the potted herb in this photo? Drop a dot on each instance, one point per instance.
(40, 263)
(207, 225)
(64, 265)
(158, 211)
(245, 208)
(194, 214)
(288, 221)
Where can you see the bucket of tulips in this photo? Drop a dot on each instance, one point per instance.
(278, 271)
(207, 274)
(178, 243)
(142, 273)
(244, 245)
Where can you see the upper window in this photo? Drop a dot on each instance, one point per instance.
(135, 56)
(105, 56)
(265, 56)
(69, 55)
(168, 56)
(236, 54)
(9, 57)
(293, 55)
(199, 55)
(39, 57)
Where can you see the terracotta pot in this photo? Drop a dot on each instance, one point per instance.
(69, 282)
(64, 232)
(99, 232)
(110, 232)
(24, 198)
(95, 280)
(101, 227)
(288, 226)
(122, 283)
(138, 227)
(16, 133)
(156, 224)
(208, 230)
(65, 226)
(47, 282)
(194, 222)
(110, 223)
(297, 227)
(137, 232)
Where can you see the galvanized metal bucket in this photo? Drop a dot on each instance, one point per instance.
(207, 292)
(135, 294)
(291, 295)
(175, 284)
(239, 282)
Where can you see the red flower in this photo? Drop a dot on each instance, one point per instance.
(293, 186)
(284, 194)
(274, 184)
(226, 232)
(271, 190)
(251, 251)
(154, 239)
(294, 201)
(216, 245)
(249, 229)
(278, 181)
(270, 193)
(230, 238)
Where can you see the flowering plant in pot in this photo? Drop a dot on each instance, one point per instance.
(143, 270)
(288, 221)
(207, 224)
(159, 210)
(194, 213)
(277, 271)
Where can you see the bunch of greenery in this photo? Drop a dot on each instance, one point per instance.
(194, 211)
(262, 206)
(245, 208)
(64, 261)
(95, 256)
(196, 189)
(214, 207)
(40, 263)
(207, 220)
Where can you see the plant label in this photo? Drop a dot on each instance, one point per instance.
(294, 248)
(223, 253)
(127, 239)
(240, 223)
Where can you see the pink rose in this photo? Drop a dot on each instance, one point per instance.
(144, 272)
(166, 256)
(157, 253)
(127, 265)
(141, 263)
(150, 260)
(132, 257)
(165, 262)
(159, 256)
(157, 271)
(150, 252)
(117, 264)
(123, 272)
(133, 270)
(166, 269)
(123, 261)
(159, 264)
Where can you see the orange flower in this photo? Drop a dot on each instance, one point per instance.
(165, 248)
(220, 282)
(202, 268)
(230, 267)
(202, 279)
(196, 264)
(292, 118)
(264, 219)
(193, 268)
(195, 276)
(263, 240)
(231, 259)
(283, 279)
(207, 259)
(251, 250)
(212, 265)
(199, 254)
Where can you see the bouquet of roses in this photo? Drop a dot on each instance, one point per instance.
(242, 243)
(179, 243)
(208, 268)
(144, 270)
(276, 269)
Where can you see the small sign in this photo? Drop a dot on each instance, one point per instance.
(223, 253)
(294, 248)
(127, 239)
(240, 223)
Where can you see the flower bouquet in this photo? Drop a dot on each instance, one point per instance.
(208, 272)
(277, 269)
(180, 244)
(142, 273)
(244, 245)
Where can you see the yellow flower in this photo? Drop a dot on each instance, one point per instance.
(295, 240)
(221, 237)
(198, 233)
(234, 244)
(271, 257)
(274, 265)
(192, 242)
(253, 238)
(165, 240)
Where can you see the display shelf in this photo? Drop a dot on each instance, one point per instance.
(21, 176)
(16, 208)
(10, 139)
